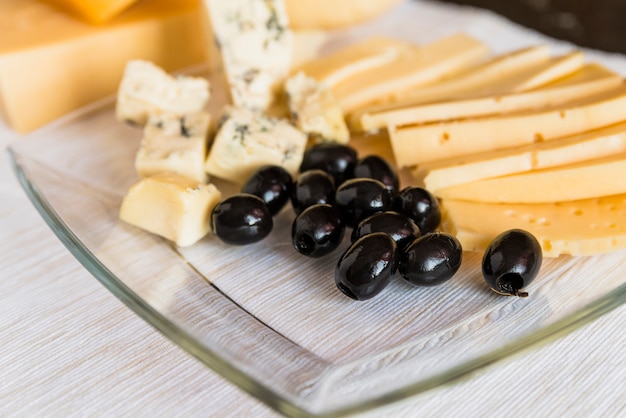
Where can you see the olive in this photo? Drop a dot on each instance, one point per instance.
(511, 262)
(399, 226)
(241, 219)
(338, 160)
(359, 198)
(375, 167)
(273, 184)
(367, 266)
(431, 259)
(310, 188)
(317, 231)
(421, 206)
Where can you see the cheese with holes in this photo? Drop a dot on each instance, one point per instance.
(94, 11)
(590, 80)
(246, 140)
(174, 143)
(173, 206)
(582, 227)
(420, 144)
(147, 90)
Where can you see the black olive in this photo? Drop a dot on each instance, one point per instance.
(310, 188)
(431, 259)
(511, 262)
(273, 184)
(338, 160)
(375, 167)
(359, 198)
(421, 206)
(367, 266)
(399, 226)
(317, 231)
(241, 219)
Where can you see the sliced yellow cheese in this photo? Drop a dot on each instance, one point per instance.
(598, 143)
(409, 69)
(331, 14)
(419, 144)
(173, 206)
(592, 178)
(582, 227)
(591, 79)
(94, 11)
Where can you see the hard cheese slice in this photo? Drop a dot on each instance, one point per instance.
(583, 227)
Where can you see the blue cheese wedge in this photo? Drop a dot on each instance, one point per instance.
(146, 89)
(174, 143)
(172, 206)
(246, 140)
(314, 110)
(256, 48)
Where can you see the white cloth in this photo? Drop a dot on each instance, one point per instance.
(68, 347)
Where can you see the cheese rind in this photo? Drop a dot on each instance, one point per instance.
(173, 206)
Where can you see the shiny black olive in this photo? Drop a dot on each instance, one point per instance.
(375, 167)
(241, 219)
(359, 198)
(399, 226)
(431, 259)
(273, 184)
(367, 266)
(338, 160)
(317, 231)
(511, 262)
(310, 188)
(421, 206)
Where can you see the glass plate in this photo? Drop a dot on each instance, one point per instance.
(271, 321)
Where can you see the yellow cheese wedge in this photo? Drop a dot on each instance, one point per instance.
(331, 14)
(582, 227)
(414, 145)
(591, 79)
(51, 63)
(593, 178)
(415, 67)
(94, 11)
(598, 143)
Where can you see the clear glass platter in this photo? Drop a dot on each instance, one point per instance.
(273, 322)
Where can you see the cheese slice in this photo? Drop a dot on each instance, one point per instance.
(419, 144)
(171, 205)
(590, 80)
(592, 178)
(94, 11)
(598, 143)
(415, 67)
(332, 14)
(580, 228)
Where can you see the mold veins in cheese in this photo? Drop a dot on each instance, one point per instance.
(173, 206)
(246, 140)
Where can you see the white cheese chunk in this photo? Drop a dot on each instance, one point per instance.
(174, 143)
(314, 110)
(246, 140)
(146, 89)
(173, 206)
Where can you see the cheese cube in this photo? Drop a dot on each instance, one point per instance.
(174, 143)
(173, 206)
(246, 140)
(314, 110)
(146, 89)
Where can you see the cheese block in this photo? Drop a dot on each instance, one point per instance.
(146, 90)
(314, 110)
(94, 11)
(246, 140)
(332, 14)
(420, 144)
(173, 206)
(590, 80)
(255, 44)
(580, 228)
(52, 63)
(413, 67)
(174, 143)
(582, 180)
(598, 143)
